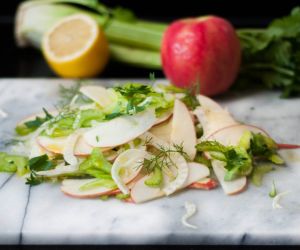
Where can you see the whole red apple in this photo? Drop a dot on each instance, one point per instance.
(204, 50)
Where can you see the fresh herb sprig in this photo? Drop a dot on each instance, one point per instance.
(161, 162)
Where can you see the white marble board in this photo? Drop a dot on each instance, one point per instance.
(44, 215)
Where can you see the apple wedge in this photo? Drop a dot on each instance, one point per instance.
(163, 130)
(212, 116)
(72, 188)
(230, 187)
(183, 129)
(127, 166)
(98, 94)
(120, 130)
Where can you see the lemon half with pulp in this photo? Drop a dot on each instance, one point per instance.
(76, 47)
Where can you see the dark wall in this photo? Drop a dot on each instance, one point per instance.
(242, 13)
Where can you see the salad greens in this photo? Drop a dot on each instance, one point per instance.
(240, 160)
(142, 163)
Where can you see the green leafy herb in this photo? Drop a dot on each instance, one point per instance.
(271, 56)
(34, 124)
(41, 163)
(264, 148)
(30, 126)
(237, 161)
(241, 159)
(138, 97)
(273, 191)
(34, 179)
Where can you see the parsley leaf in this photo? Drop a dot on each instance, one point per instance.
(38, 121)
(271, 56)
(238, 161)
(34, 179)
(41, 163)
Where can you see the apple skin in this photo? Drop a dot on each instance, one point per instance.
(205, 50)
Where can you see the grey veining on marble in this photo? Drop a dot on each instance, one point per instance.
(43, 215)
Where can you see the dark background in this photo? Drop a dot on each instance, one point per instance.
(28, 62)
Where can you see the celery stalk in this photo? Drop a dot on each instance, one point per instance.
(34, 18)
(136, 57)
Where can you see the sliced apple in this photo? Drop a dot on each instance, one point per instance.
(127, 166)
(227, 136)
(142, 193)
(120, 130)
(183, 129)
(98, 94)
(57, 144)
(36, 149)
(205, 183)
(231, 135)
(230, 187)
(164, 117)
(163, 130)
(72, 188)
(197, 172)
(212, 116)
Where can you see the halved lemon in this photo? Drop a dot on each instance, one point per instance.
(76, 47)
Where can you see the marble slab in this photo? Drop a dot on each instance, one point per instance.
(43, 215)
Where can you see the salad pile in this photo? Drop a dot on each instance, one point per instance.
(137, 143)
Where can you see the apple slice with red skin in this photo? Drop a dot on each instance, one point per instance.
(205, 183)
(72, 188)
(183, 129)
